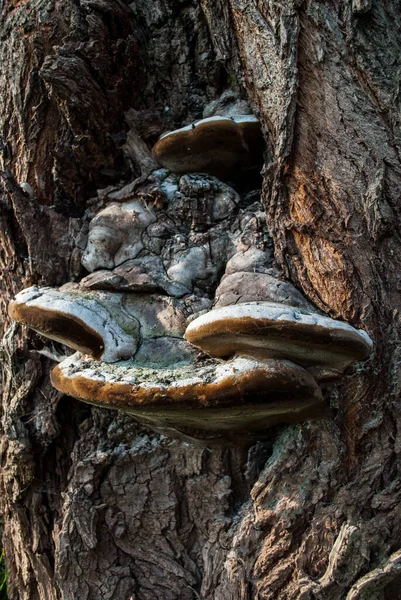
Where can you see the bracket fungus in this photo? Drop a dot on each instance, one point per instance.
(177, 255)
(275, 330)
(235, 400)
(80, 323)
(242, 286)
(116, 234)
(216, 145)
(108, 327)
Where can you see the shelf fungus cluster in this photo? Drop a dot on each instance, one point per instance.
(184, 320)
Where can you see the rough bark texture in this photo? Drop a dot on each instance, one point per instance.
(94, 506)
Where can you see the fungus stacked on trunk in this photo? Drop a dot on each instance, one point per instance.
(186, 256)
(234, 401)
(269, 330)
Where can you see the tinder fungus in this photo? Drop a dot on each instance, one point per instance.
(154, 254)
(106, 326)
(273, 330)
(178, 246)
(215, 145)
(243, 287)
(234, 400)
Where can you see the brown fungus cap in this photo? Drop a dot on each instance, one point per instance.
(216, 145)
(107, 326)
(273, 330)
(78, 320)
(55, 325)
(234, 400)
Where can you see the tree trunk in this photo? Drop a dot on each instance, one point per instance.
(93, 504)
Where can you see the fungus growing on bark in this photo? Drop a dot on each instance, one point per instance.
(228, 104)
(116, 234)
(79, 322)
(154, 265)
(236, 400)
(179, 247)
(27, 188)
(108, 327)
(216, 145)
(243, 287)
(273, 330)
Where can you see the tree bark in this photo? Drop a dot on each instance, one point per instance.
(96, 506)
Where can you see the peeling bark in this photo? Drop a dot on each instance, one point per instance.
(95, 505)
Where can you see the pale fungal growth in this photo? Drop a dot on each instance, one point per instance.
(78, 322)
(243, 287)
(250, 260)
(27, 188)
(273, 330)
(145, 274)
(229, 104)
(234, 400)
(215, 145)
(172, 246)
(155, 256)
(108, 327)
(115, 235)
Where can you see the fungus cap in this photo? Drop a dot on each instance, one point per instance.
(272, 330)
(216, 145)
(109, 326)
(226, 400)
(78, 321)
